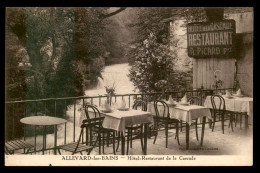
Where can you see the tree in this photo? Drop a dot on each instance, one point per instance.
(153, 64)
(55, 39)
(151, 59)
(61, 49)
(65, 48)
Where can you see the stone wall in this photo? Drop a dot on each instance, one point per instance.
(244, 30)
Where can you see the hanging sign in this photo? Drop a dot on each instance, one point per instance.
(207, 39)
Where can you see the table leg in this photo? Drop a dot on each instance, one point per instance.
(45, 137)
(145, 138)
(246, 122)
(187, 135)
(122, 144)
(55, 138)
(240, 120)
(35, 139)
(203, 129)
(222, 122)
(43, 140)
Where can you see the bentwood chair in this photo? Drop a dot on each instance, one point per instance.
(219, 109)
(162, 119)
(81, 145)
(137, 128)
(106, 135)
(195, 100)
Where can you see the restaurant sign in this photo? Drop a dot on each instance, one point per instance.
(211, 38)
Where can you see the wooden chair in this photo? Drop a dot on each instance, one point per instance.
(14, 145)
(106, 135)
(163, 119)
(137, 128)
(220, 110)
(80, 145)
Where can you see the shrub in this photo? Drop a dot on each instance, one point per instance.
(152, 66)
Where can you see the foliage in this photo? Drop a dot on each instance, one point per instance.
(153, 63)
(151, 59)
(62, 49)
(64, 45)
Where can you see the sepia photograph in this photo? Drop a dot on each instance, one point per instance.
(129, 86)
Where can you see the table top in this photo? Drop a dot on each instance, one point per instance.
(236, 104)
(184, 107)
(42, 120)
(119, 120)
(181, 112)
(234, 97)
(129, 113)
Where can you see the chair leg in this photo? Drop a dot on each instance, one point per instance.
(131, 138)
(177, 132)
(222, 121)
(196, 128)
(231, 121)
(181, 125)
(28, 150)
(156, 134)
(150, 132)
(141, 138)
(103, 143)
(235, 119)
(128, 137)
(108, 137)
(166, 133)
(214, 120)
(240, 120)
(118, 141)
(99, 143)
(59, 151)
(114, 140)
(246, 122)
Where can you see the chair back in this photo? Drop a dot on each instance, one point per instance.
(93, 116)
(92, 123)
(92, 111)
(158, 105)
(218, 104)
(140, 103)
(194, 100)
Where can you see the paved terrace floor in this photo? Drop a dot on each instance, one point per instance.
(215, 143)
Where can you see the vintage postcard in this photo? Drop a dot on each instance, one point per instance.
(129, 86)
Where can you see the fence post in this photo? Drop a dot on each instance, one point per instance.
(74, 120)
(129, 99)
(45, 107)
(24, 124)
(36, 108)
(65, 123)
(55, 107)
(13, 120)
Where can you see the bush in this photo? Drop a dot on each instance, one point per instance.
(152, 66)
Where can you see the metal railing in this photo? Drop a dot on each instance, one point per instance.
(96, 100)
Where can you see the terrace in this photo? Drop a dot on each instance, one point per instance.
(215, 143)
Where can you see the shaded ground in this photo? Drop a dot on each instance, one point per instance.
(215, 143)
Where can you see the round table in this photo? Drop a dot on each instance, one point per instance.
(44, 121)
